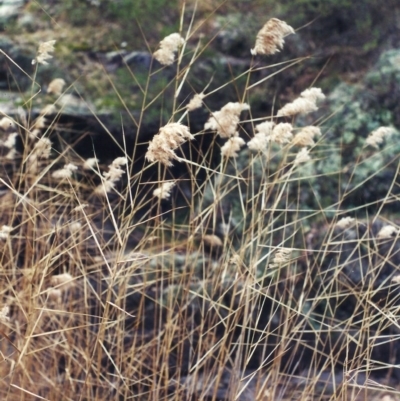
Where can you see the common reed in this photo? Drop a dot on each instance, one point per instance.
(220, 282)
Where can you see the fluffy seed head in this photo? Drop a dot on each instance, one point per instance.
(306, 136)
(43, 52)
(115, 172)
(5, 232)
(48, 109)
(345, 222)
(387, 232)
(63, 281)
(42, 148)
(302, 157)
(90, 163)
(11, 155)
(65, 172)
(232, 146)
(282, 133)
(271, 37)
(75, 227)
(4, 314)
(11, 140)
(40, 122)
(164, 191)
(226, 120)
(262, 138)
(80, 207)
(212, 240)
(6, 123)
(306, 103)
(281, 256)
(56, 86)
(196, 102)
(165, 55)
(375, 138)
(169, 138)
(112, 176)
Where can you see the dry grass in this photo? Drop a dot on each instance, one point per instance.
(111, 295)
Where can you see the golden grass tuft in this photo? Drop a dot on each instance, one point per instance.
(228, 288)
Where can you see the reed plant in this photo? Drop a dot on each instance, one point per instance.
(215, 279)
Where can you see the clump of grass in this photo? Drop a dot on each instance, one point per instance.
(111, 292)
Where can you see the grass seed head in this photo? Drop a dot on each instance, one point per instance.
(271, 37)
(375, 138)
(5, 232)
(43, 54)
(232, 146)
(6, 123)
(387, 232)
(65, 172)
(212, 240)
(306, 103)
(282, 133)
(11, 140)
(63, 281)
(302, 157)
(306, 136)
(261, 139)
(196, 102)
(56, 86)
(4, 314)
(165, 55)
(90, 163)
(164, 191)
(345, 222)
(170, 137)
(226, 120)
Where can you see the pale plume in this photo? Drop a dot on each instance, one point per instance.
(306, 136)
(260, 140)
(48, 109)
(375, 138)
(165, 55)
(212, 240)
(387, 232)
(79, 208)
(6, 123)
(11, 140)
(4, 314)
(282, 133)
(43, 54)
(65, 172)
(271, 37)
(63, 281)
(112, 176)
(345, 222)
(169, 138)
(302, 156)
(90, 163)
(5, 232)
(196, 102)
(281, 257)
(226, 120)
(56, 86)
(164, 191)
(306, 103)
(232, 146)
(41, 150)
(75, 227)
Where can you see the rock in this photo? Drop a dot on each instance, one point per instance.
(28, 22)
(9, 10)
(15, 63)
